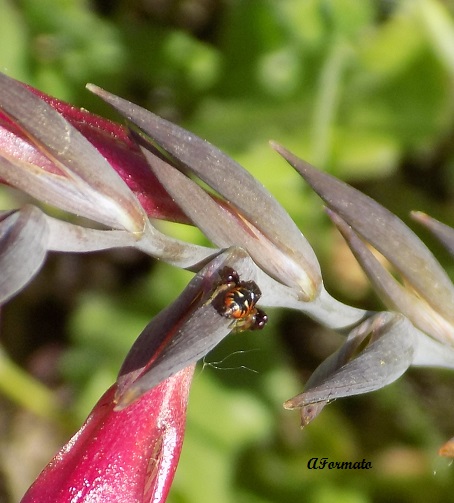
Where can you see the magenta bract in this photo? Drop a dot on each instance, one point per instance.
(120, 456)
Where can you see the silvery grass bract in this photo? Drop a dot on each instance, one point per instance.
(116, 178)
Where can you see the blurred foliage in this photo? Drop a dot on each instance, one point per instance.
(363, 89)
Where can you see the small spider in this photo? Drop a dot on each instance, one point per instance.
(236, 299)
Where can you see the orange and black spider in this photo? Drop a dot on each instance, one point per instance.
(236, 300)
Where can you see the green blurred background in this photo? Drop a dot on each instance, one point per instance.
(361, 88)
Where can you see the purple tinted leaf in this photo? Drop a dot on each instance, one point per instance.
(394, 295)
(255, 204)
(220, 223)
(389, 352)
(182, 333)
(203, 211)
(442, 232)
(23, 247)
(387, 233)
